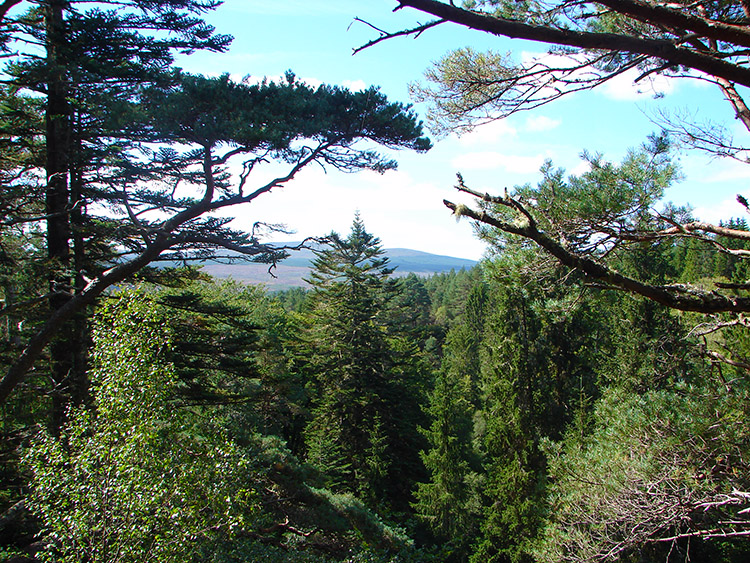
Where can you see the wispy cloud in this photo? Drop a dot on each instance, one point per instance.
(723, 171)
(624, 88)
(541, 123)
(489, 160)
(489, 134)
(621, 88)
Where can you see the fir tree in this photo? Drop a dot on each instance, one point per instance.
(360, 433)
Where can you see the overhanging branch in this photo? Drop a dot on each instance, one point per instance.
(657, 48)
(676, 296)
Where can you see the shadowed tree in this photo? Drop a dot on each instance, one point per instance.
(141, 158)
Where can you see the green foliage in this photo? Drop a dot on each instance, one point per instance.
(276, 116)
(593, 214)
(532, 377)
(462, 81)
(448, 293)
(23, 259)
(553, 348)
(292, 299)
(362, 433)
(214, 340)
(67, 121)
(697, 260)
(242, 552)
(408, 312)
(449, 503)
(669, 463)
(137, 479)
(445, 502)
(657, 471)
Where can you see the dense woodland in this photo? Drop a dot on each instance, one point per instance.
(581, 395)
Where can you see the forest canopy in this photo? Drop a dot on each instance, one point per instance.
(581, 395)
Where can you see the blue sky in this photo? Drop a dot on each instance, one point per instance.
(315, 39)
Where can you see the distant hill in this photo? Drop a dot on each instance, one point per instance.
(290, 272)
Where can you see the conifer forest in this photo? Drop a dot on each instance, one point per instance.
(581, 395)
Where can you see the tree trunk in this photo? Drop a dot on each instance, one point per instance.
(57, 202)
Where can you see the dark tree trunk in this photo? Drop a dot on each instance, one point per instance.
(57, 202)
(79, 335)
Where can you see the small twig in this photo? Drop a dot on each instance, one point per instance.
(384, 35)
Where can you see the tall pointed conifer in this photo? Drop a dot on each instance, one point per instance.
(358, 409)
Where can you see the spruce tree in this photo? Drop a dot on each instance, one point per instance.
(447, 503)
(359, 432)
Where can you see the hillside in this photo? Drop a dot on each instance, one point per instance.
(290, 272)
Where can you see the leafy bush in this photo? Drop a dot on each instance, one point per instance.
(136, 479)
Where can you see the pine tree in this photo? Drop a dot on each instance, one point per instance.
(83, 128)
(141, 139)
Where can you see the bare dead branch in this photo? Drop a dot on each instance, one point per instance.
(700, 226)
(384, 35)
(724, 360)
(675, 296)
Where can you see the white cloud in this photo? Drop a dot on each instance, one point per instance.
(489, 133)
(488, 160)
(402, 211)
(541, 123)
(719, 171)
(579, 169)
(721, 210)
(711, 186)
(354, 85)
